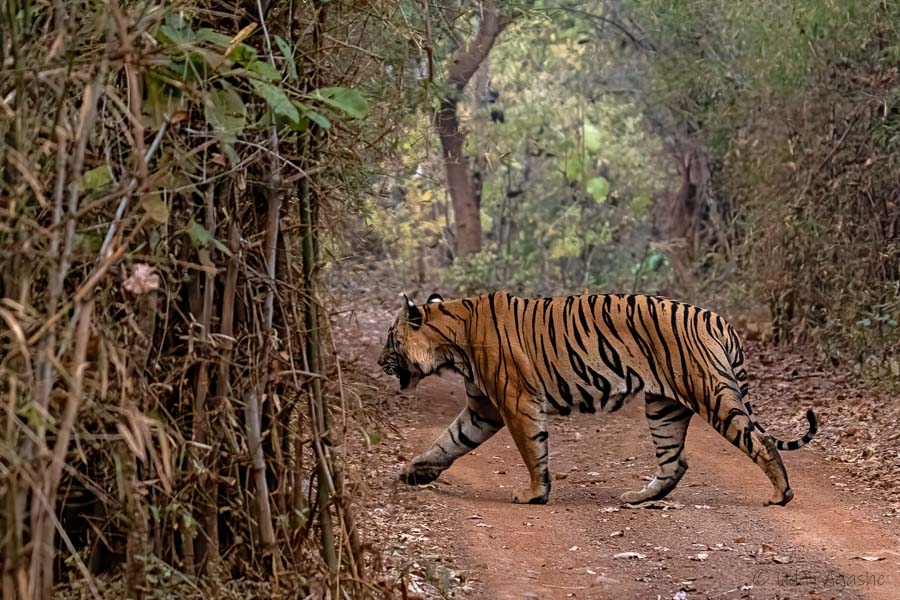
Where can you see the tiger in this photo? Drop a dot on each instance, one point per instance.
(524, 357)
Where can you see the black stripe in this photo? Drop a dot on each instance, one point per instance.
(672, 458)
(651, 308)
(608, 354)
(551, 332)
(478, 418)
(463, 437)
(577, 363)
(563, 386)
(587, 401)
(445, 311)
(607, 317)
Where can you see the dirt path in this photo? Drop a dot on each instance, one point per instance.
(719, 543)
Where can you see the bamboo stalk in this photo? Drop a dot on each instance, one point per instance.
(205, 546)
(252, 416)
(55, 278)
(42, 576)
(222, 383)
(13, 515)
(258, 465)
(318, 414)
(41, 569)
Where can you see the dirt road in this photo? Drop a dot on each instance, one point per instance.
(715, 540)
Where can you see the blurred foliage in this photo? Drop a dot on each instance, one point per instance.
(568, 171)
(797, 105)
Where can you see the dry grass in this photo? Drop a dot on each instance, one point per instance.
(166, 397)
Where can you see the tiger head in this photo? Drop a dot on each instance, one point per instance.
(412, 352)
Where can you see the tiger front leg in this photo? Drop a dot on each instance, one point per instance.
(477, 422)
(529, 432)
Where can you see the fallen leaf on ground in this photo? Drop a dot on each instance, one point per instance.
(629, 555)
(766, 549)
(655, 504)
(701, 556)
(869, 558)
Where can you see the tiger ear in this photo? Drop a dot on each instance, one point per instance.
(413, 314)
(435, 298)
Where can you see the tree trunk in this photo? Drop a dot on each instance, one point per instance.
(466, 211)
(463, 65)
(681, 215)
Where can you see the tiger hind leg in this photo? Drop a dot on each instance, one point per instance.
(669, 421)
(736, 426)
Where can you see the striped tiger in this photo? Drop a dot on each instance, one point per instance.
(522, 357)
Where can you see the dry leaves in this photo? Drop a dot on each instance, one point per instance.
(700, 556)
(143, 279)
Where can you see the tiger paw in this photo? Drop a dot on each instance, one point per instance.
(780, 499)
(635, 497)
(419, 474)
(528, 496)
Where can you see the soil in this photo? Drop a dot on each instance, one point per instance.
(712, 538)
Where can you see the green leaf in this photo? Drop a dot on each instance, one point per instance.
(591, 136)
(640, 204)
(96, 178)
(201, 237)
(156, 208)
(598, 187)
(160, 99)
(487, 222)
(277, 100)
(567, 246)
(213, 37)
(243, 54)
(574, 167)
(656, 261)
(175, 31)
(317, 118)
(344, 99)
(225, 110)
(266, 71)
(288, 55)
